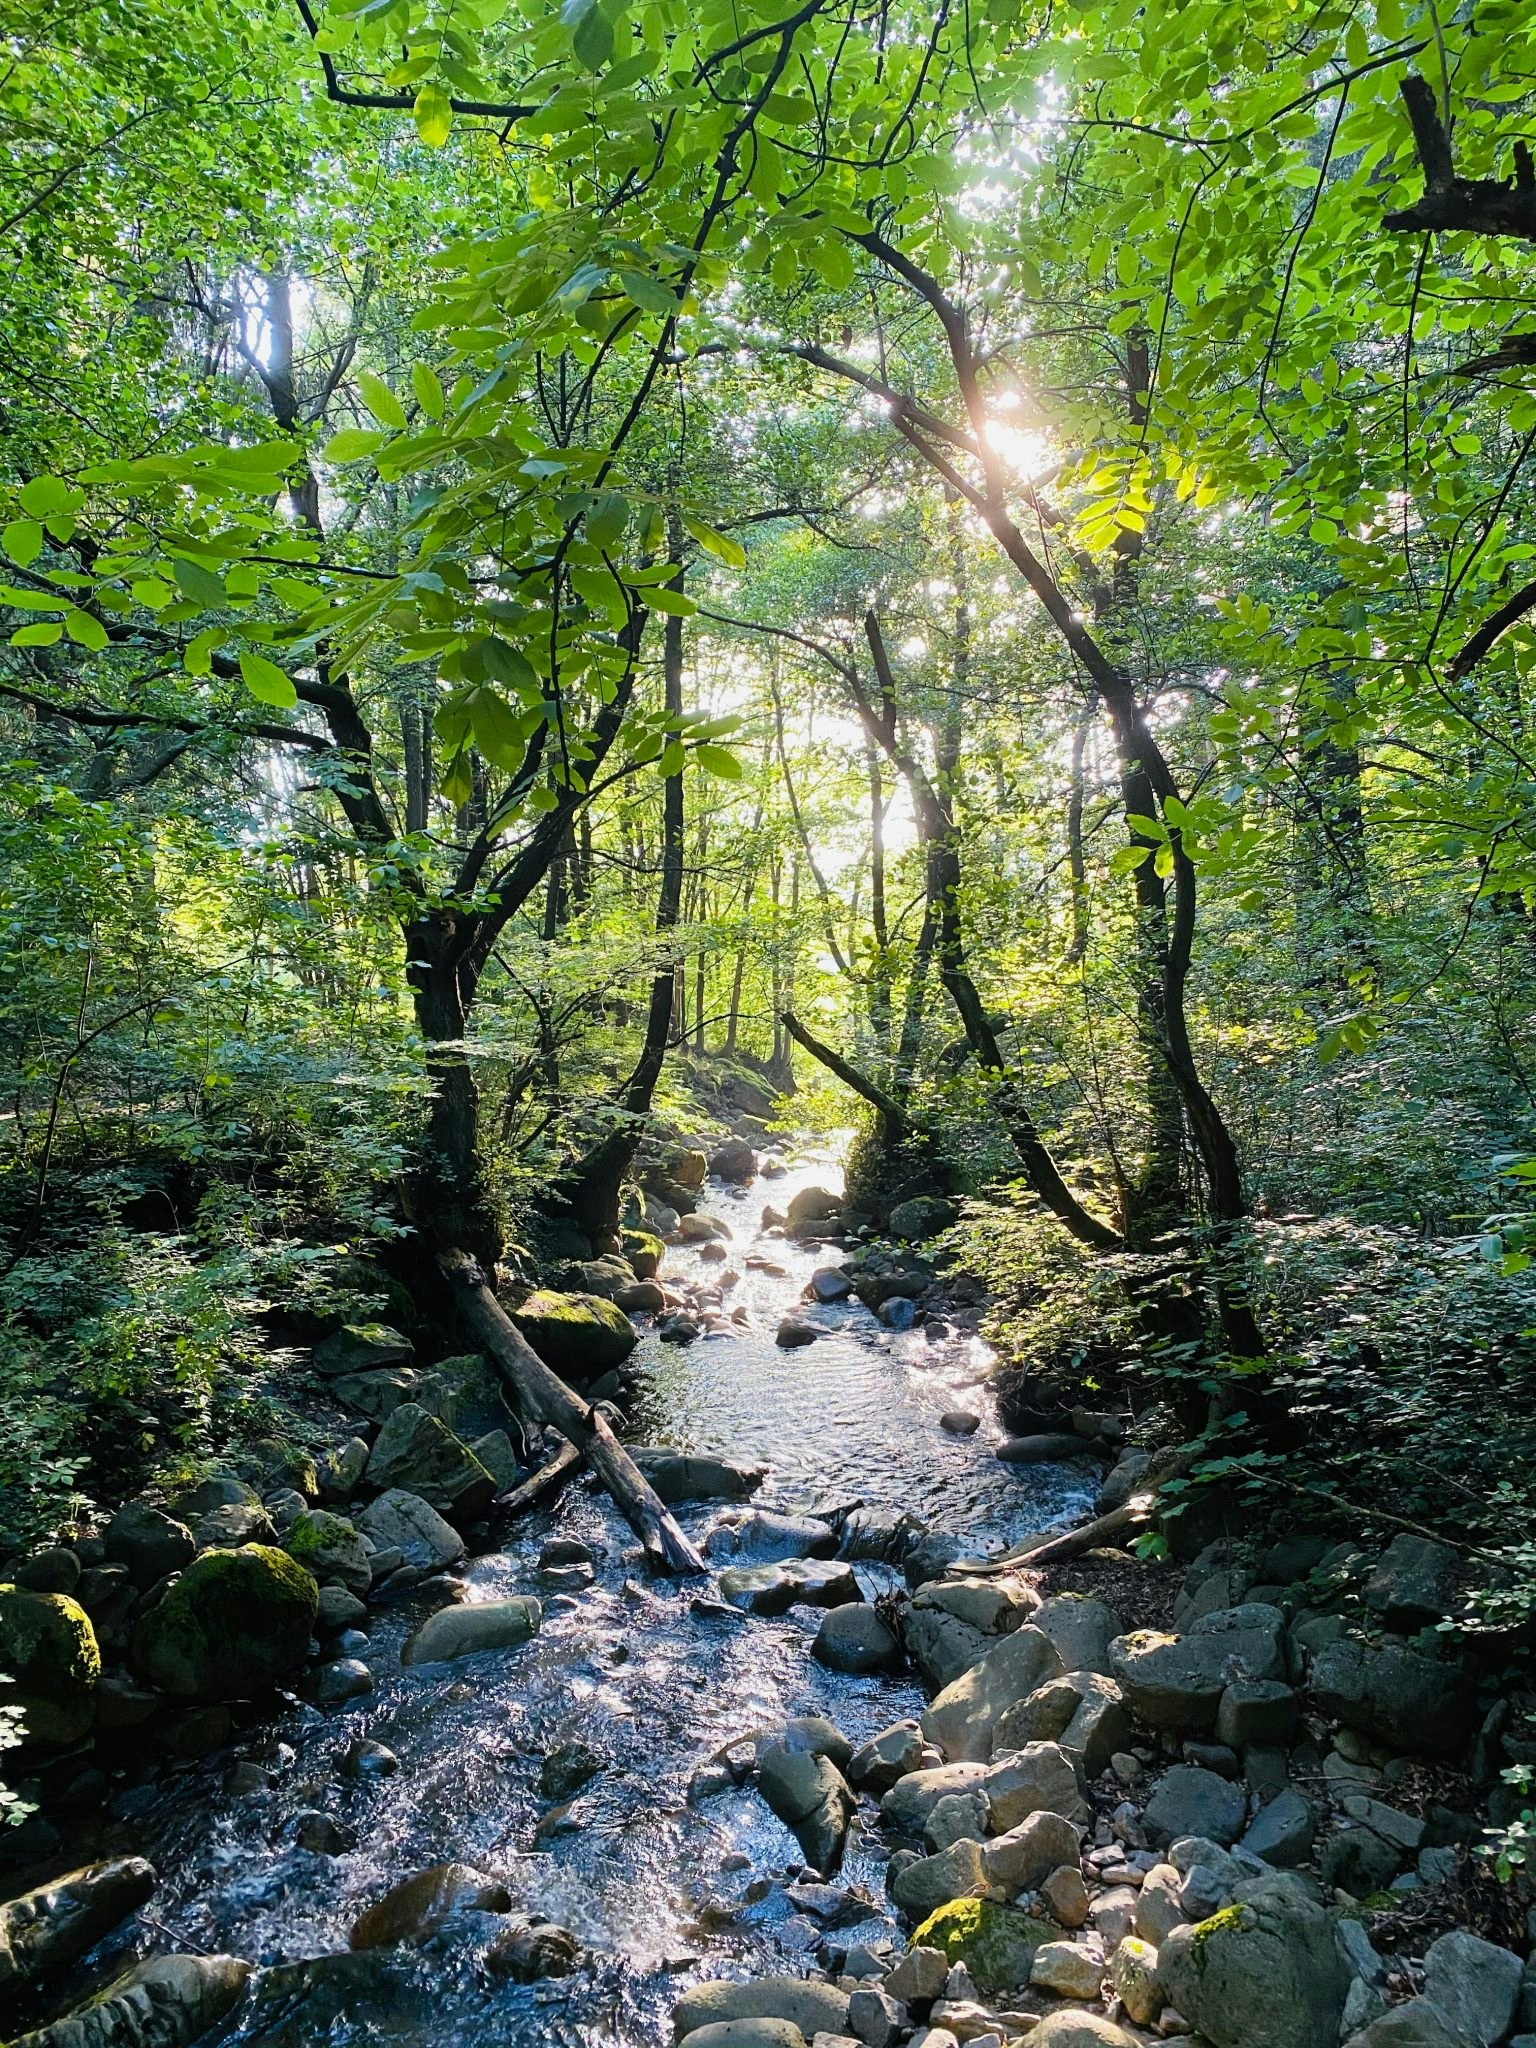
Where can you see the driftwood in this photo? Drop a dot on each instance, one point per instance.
(546, 1481)
(543, 1396)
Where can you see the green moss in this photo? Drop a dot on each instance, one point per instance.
(996, 1943)
(645, 1252)
(231, 1625)
(580, 1334)
(1233, 1917)
(315, 1531)
(48, 1650)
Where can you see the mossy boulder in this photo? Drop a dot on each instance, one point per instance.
(645, 1252)
(996, 1943)
(330, 1549)
(234, 1623)
(360, 1347)
(579, 1336)
(48, 1653)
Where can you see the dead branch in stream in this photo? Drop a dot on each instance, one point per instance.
(547, 1481)
(544, 1397)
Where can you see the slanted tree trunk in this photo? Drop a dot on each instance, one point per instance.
(591, 1191)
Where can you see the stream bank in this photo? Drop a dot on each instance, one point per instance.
(1115, 1803)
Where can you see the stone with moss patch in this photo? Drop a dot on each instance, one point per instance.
(579, 1336)
(996, 1943)
(330, 1548)
(48, 1652)
(645, 1252)
(233, 1624)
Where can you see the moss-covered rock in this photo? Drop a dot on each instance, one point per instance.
(579, 1336)
(996, 1943)
(233, 1624)
(48, 1652)
(645, 1252)
(330, 1549)
(360, 1347)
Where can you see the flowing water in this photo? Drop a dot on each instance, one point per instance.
(634, 1670)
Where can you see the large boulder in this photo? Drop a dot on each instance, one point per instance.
(421, 1906)
(811, 1207)
(234, 1623)
(798, 1582)
(733, 1161)
(148, 1542)
(464, 1631)
(1081, 2030)
(763, 1537)
(1081, 1710)
(813, 2008)
(1415, 1582)
(54, 1925)
(908, 1804)
(420, 1453)
(1081, 1628)
(1189, 1800)
(963, 1719)
(467, 1393)
(920, 1217)
(330, 1549)
(579, 1336)
(854, 1638)
(810, 1795)
(403, 1521)
(1176, 1682)
(1039, 1778)
(681, 1475)
(48, 1653)
(1263, 1973)
(958, 1872)
(1394, 1695)
(360, 1347)
(167, 2002)
(996, 1943)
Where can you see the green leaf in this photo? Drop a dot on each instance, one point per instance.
(498, 734)
(720, 545)
(23, 541)
(201, 648)
(673, 601)
(85, 631)
(43, 634)
(45, 494)
(198, 584)
(504, 663)
(591, 32)
(265, 680)
(381, 401)
(433, 113)
(606, 522)
(718, 761)
(648, 293)
(542, 799)
(428, 390)
(352, 444)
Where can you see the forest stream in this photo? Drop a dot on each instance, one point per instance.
(637, 1670)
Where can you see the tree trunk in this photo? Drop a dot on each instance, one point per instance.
(591, 1191)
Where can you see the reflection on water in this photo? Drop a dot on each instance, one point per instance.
(633, 1672)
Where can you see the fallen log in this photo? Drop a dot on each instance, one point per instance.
(542, 1396)
(546, 1481)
